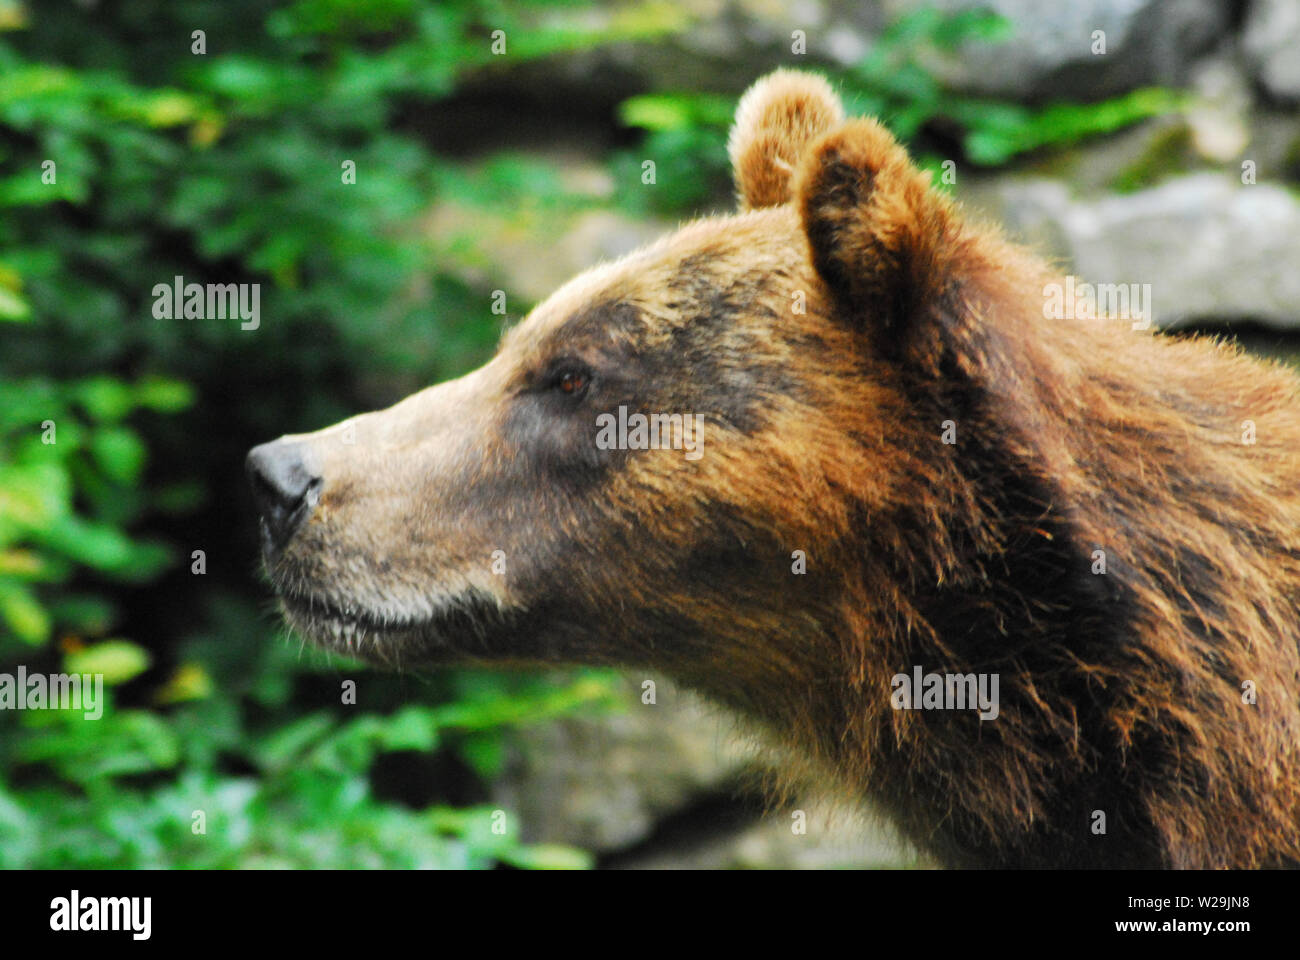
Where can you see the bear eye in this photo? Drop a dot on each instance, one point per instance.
(572, 382)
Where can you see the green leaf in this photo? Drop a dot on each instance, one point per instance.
(980, 25)
(998, 132)
(23, 613)
(96, 545)
(547, 856)
(13, 307)
(411, 728)
(676, 111)
(105, 398)
(83, 614)
(119, 453)
(118, 660)
(288, 743)
(190, 682)
(34, 495)
(485, 752)
(163, 394)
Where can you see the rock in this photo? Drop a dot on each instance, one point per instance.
(609, 783)
(1218, 113)
(1050, 54)
(836, 839)
(724, 45)
(1271, 40)
(1275, 145)
(1210, 246)
(603, 783)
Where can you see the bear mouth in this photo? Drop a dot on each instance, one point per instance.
(457, 629)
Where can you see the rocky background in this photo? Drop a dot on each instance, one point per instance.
(1200, 202)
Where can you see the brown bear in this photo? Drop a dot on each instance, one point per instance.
(1031, 585)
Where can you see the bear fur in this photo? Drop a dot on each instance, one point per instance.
(1105, 519)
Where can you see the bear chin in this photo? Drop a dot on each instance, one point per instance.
(457, 631)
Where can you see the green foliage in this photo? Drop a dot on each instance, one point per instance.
(304, 802)
(687, 141)
(996, 134)
(70, 467)
(230, 167)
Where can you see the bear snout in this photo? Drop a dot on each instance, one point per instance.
(286, 484)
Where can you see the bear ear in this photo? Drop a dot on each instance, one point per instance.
(883, 241)
(776, 120)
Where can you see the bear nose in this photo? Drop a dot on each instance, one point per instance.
(286, 485)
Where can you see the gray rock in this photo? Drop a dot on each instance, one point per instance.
(1218, 114)
(603, 783)
(724, 45)
(836, 838)
(606, 783)
(1271, 41)
(1050, 54)
(1275, 145)
(1210, 246)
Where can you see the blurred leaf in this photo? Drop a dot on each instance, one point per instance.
(485, 752)
(548, 856)
(13, 15)
(119, 453)
(287, 744)
(94, 544)
(118, 661)
(86, 615)
(973, 25)
(13, 307)
(189, 682)
(999, 133)
(676, 111)
(22, 612)
(21, 564)
(105, 398)
(163, 394)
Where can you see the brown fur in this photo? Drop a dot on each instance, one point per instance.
(1120, 692)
